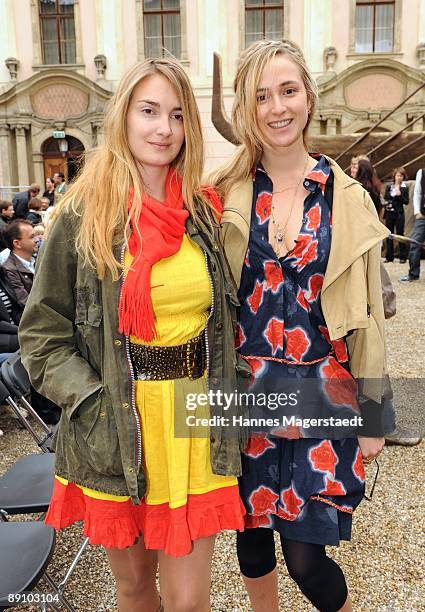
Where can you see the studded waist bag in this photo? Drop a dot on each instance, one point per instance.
(187, 360)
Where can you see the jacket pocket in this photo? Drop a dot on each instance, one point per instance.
(88, 322)
(95, 433)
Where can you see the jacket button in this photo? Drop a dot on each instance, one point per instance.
(117, 342)
(124, 405)
(102, 415)
(214, 381)
(130, 470)
(219, 326)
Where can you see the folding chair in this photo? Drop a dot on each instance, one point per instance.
(16, 380)
(27, 486)
(26, 551)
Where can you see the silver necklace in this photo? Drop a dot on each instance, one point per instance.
(278, 228)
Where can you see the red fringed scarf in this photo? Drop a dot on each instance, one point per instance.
(161, 227)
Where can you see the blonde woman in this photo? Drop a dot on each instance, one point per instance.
(128, 314)
(303, 242)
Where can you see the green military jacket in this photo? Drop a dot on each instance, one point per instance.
(75, 356)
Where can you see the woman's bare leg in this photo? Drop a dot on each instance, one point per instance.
(134, 569)
(186, 581)
(263, 593)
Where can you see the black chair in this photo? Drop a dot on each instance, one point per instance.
(25, 552)
(17, 382)
(27, 486)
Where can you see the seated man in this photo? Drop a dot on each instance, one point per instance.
(19, 266)
(21, 199)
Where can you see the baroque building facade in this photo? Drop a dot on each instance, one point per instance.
(61, 60)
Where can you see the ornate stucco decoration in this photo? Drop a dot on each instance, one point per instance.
(420, 52)
(12, 64)
(59, 101)
(101, 64)
(330, 55)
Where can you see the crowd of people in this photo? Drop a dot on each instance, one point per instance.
(390, 205)
(181, 287)
(22, 227)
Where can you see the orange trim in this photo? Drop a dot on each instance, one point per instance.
(288, 361)
(118, 524)
(331, 503)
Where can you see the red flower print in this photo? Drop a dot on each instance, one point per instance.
(333, 487)
(274, 334)
(301, 245)
(323, 457)
(314, 216)
(274, 276)
(297, 343)
(339, 385)
(309, 255)
(301, 300)
(239, 336)
(338, 345)
(246, 260)
(257, 366)
(285, 515)
(256, 297)
(358, 466)
(318, 175)
(258, 445)
(290, 501)
(340, 349)
(325, 333)
(263, 501)
(314, 286)
(263, 206)
(257, 521)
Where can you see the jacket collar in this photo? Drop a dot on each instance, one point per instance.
(355, 226)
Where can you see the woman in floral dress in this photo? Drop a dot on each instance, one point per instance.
(302, 240)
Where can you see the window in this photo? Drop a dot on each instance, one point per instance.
(263, 19)
(57, 31)
(374, 25)
(162, 27)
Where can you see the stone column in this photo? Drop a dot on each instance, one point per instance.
(37, 161)
(5, 174)
(21, 154)
(331, 126)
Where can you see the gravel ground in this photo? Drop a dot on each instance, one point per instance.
(384, 562)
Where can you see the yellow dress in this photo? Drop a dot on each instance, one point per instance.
(184, 500)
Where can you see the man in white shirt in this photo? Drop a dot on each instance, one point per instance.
(418, 233)
(19, 266)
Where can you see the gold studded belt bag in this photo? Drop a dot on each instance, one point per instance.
(187, 360)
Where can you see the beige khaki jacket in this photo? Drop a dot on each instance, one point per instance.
(351, 293)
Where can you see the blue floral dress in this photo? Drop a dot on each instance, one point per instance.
(306, 489)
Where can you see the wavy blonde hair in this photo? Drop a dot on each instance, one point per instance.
(244, 113)
(100, 193)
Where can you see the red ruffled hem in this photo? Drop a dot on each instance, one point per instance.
(114, 524)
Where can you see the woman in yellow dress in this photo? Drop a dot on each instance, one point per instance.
(131, 310)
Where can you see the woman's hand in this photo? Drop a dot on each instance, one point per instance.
(371, 447)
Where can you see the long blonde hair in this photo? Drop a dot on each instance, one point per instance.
(100, 193)
(244, 113)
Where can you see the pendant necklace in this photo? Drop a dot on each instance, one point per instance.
(278, 228)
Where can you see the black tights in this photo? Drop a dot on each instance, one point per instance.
(319, 577)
